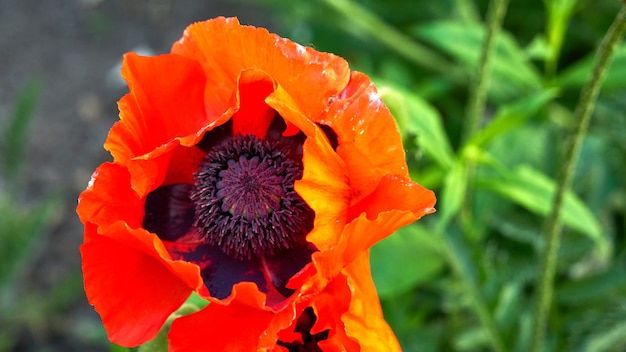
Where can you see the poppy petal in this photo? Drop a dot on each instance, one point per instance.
(329, 307)
(295, 118)
(318, 325)
(406, 195)
(136, 292)
(166, 101)
(105, 199)
(183, 164)
(369, 141)
(325, 188)
(281, 267)
(237, 326)
(169, 213)
(254, 116)
(219, 271)
(360, 234)
(164, 109)
(377, 219)
(364, 320)
(226, 48)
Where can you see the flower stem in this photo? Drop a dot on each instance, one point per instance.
(474, 113)
(478, 90)
(552, 230)
(361, 19)
(478, 94)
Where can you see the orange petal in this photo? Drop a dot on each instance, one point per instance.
(130, 284)
(166, 101)
(237, 326)
(164, 109)
(254, 115)
(326, 189)
(183, 164)
(329, 307)
(362, 233)
(364, 320)
(281, 320)
(377, 219)
(225, 48)
(108, 198)
(406, 195)
(369, 141)
(167, 164)
(296, 119)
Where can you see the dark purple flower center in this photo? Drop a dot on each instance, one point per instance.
(245, 202)
(242, 219)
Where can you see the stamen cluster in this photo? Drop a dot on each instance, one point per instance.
(244, 197)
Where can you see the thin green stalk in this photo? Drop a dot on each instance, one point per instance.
(475, 111)
(478, 97)
(361, 19)
(552, 230)
(478, 90)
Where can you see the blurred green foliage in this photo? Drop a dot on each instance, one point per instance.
(443, 277)
(22, 227)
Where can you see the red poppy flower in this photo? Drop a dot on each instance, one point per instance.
(257, 173)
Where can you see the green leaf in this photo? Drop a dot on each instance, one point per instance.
(513, 115)
(535, 191)
(590, 289)
(612, 339)
(472, 339)
(507, 310)
(512, 71)
(538, 48)
(452, 194)
(417, 117)
(408, 258)
(559, 13)
(530, 144)
(524, 332)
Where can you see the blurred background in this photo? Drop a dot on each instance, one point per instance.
(460, 280)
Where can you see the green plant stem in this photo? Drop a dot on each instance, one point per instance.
(552, 230)
(360, 19)
(478, 95)
(474, 113)
(478, 89)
